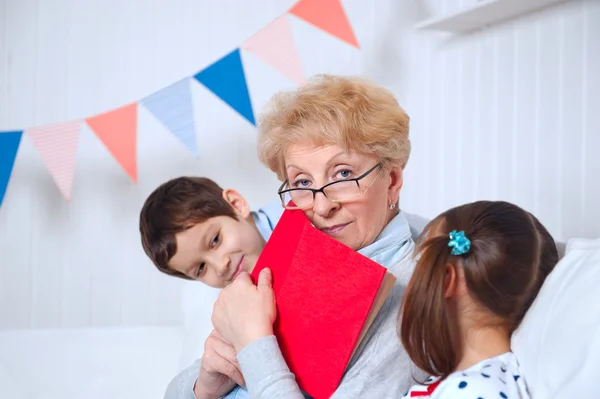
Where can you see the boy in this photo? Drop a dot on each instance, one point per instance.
(193, 229)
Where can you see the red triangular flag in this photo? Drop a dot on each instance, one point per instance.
(274, 44)
(117, 129)
(57, 145)
(328, 15)
(327, 297)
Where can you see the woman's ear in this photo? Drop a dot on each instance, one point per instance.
(451, 286)
(237, 202)
(396, 179)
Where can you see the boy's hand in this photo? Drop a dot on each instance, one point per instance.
(245, 312)
(219, 371)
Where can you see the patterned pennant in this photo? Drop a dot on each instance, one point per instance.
(9, 145)
(173, 107)
(57, 144)
(327, 15)
(275, 45)
(117, 129)
(227, 80)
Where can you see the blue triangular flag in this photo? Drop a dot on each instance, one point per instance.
(173, 107)
(9, 144)
(226, 79)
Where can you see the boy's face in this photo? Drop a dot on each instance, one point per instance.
(217, 250)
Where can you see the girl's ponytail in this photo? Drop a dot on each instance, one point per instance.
(427, 329)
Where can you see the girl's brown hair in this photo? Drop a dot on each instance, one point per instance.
(510, 256)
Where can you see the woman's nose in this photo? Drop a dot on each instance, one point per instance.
(323, 206)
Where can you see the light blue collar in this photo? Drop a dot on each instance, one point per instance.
(267, 217)
(391, 244)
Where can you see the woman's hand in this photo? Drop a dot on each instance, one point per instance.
(219, 371)
(245, 312)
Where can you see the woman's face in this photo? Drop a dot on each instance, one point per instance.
(356, 223)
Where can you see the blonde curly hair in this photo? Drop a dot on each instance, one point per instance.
(353, 113)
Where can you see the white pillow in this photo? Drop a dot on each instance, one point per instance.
(558, 343)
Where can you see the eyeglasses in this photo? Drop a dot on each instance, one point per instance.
(337, 191)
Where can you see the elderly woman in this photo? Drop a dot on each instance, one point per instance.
(339, 145)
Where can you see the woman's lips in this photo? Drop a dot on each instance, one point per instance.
(334, 230)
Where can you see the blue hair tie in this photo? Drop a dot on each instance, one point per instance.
(459, 242)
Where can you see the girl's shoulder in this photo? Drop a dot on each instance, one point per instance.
(498, 377)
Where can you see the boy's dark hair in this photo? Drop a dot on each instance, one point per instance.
(511, 255)
(173, 207)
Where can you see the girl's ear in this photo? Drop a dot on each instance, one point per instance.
(451, 286)
(237, 202)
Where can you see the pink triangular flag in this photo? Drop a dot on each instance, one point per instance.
(57, 144)
(274, 44)
(328, 15)
(117, 129)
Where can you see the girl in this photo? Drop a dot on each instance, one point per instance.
(479, 268)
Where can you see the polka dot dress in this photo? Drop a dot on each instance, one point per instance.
(495, 378)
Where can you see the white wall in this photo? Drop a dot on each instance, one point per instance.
(509, 112)
(504, 113)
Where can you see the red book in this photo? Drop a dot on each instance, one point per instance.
(327, 297)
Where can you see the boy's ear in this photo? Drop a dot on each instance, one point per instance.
(237, 202)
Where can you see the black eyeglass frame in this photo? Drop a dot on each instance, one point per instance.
(314, 191)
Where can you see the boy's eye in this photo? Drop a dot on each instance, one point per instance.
(215, 241)
(200, 269)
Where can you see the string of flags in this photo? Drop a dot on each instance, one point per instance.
(172, 106)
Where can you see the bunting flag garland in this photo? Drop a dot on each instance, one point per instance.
(274, 44)
(9, 145)
(117, 129)
(173, 107)
(227, 80)
(327, 15)
(57, 145)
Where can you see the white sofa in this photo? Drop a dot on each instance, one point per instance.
(90, 363)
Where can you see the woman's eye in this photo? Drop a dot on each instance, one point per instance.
(200, 269)
(301, 183)
(344, 174)
(215, 241)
